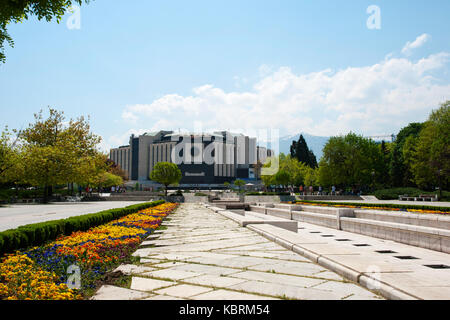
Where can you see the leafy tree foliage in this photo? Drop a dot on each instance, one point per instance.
(13, 11)
(166, 173)
(56, 152)
(239, 183)
(431, 160)
(291, 172)
(107, 180)
(399, 172)
(10, 162)
(350, 160)
(282, 177)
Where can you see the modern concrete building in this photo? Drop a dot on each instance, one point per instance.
(204, 159)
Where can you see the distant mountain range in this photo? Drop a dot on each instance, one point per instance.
(315, 143)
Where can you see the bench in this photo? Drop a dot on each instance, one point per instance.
(428, 197)
(422, 197)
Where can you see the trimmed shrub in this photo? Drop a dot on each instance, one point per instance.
(394, 193)
(39, 233)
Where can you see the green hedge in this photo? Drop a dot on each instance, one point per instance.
(380, 205)
(394, 193)
(40, 233)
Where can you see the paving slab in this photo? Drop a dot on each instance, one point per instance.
(172, 274)
(215, 281)
(230, 295)
(288, 291)
(114, 293)
(146, 284)
(162, 297)
(203, 255)
(303, 282)
(300, 268)
(184, 291)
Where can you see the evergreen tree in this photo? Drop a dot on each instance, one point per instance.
(301, 152)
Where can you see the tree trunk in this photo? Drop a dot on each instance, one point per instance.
(165, 190)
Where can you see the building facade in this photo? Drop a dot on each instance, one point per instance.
(204, 159)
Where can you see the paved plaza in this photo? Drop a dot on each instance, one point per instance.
(203, 255)
(16, 215)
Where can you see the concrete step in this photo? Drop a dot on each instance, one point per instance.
(424, 231)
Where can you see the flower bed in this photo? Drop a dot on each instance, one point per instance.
(389, 207)
(41, 273)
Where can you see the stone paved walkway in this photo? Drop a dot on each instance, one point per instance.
(205, 256)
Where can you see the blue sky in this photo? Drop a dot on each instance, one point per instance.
(310, 66)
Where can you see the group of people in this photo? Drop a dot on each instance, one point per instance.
(310, 190)
(89, 190)
(118, 189)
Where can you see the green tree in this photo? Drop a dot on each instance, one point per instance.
(239, 183)
(408, 155)
(290, 171)
(282, 177)
(431, 165)
(400, 174)
(311, 177)
(386, 153)
(351, 160)
(166, 173)
(296, 169)
(299, 150)
(267, 180)
(13, 11)
(56, 152)
(10, 158)
(107, 180)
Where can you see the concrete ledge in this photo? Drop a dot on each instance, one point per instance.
(280, 223)
(344, 271)
(245, 220)
(424, 237)
(306, 253)
(386, 290)
(315, 218)
(378, 224)
(423, 220)
(285, 206)
(284, 243)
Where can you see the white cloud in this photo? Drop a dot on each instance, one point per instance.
(375, 99)
(420, 41)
